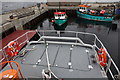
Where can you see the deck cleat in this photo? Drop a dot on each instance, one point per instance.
(90, 66)
(72, 46)
(69, 63)
(71, 49)
(39, 60)
(87, 51)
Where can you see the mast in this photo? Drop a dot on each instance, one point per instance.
(59, 5)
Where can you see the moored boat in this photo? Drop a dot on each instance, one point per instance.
(86, 13)
(60, 20)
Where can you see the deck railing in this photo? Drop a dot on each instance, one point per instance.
(81, 35)
(26, 40)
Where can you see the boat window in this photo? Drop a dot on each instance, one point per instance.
(63, 14)
(59, 15)
(56, 15)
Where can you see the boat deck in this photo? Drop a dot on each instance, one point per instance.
(66, 61)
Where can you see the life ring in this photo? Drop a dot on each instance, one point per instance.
(13, 48)
(102, 57)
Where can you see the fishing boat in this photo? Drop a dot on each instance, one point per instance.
(60, 20)
(58, 55)
(85, 12)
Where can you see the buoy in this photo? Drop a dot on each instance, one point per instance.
(13, 48)
(53, 21)
(102, 57)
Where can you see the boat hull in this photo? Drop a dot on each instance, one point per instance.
(96, 18)
(60, 24)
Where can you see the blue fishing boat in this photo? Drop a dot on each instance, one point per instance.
(86, 13)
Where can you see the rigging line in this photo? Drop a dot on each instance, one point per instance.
(56, 55)
(88, 58)
(57, 67)
(41, 57)
(48, 63)
(72, 68)
(70, 55)
(34, 64)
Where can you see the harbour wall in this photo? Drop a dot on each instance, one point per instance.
(19, 19)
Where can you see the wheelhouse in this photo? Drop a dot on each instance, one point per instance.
(83, 8)
(60, 15)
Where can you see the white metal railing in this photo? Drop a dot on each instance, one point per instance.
(42, 34)
(110, 60)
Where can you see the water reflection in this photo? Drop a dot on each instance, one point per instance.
(90, 23)
(57, 27)
(99, 25)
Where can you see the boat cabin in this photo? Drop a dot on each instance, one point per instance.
(83, 8)
(60, 15)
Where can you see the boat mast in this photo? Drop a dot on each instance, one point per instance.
(59, 5)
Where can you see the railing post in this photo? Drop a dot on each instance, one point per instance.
(58, 32)
(27, 38)
(108, 66)
(76, 36)
(95, 41)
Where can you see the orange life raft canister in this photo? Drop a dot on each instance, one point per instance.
(11, 74)
(102, 57)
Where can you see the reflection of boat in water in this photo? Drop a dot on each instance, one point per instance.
(85, 13)
(92, 22)
(57, 27)
(60, 20)
(62, 55)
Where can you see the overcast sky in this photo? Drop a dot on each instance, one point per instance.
(59, 0)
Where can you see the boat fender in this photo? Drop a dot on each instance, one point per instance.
(102, 57)
(13, 48)
(53, 21)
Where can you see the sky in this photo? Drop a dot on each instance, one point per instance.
(59, 0)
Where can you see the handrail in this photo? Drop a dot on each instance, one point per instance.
(18, 38)
(76, 36)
